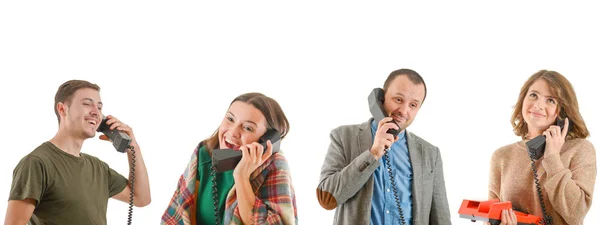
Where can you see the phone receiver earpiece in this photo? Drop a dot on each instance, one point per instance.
(377, 110)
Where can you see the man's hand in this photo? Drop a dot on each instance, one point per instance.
(115, 123)
(141, 195)
(382, 140)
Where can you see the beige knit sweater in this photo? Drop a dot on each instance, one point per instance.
(567, 181)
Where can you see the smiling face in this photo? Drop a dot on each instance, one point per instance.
(81, 115)
(540, 108)
(242, 125)
(403, 99)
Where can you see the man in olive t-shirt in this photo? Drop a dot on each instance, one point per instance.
(56, 184)
(67, 189)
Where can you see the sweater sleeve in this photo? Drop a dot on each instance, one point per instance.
(495, 175)
(570, 188)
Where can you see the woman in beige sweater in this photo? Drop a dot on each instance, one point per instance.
(566, 171)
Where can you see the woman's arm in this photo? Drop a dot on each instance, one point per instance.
(570, 189)
(273, 203)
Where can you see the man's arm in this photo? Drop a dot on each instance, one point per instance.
(26, 191)
(340, 178)
(19, 211)
(440, 212)
(141, 195)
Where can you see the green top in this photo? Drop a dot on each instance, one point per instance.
(67, 189)
(204, 205)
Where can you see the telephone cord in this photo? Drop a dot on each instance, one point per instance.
(213, 174)
(547, 219)
(131, 182)
(386, 157)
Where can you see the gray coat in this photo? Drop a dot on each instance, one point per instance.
(346, 181)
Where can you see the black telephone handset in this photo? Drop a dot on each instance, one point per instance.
(377, 111)
(537, 146)
(227, 159)
(119, 139)
(376, 99)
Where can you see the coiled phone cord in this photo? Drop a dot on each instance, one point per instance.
(386, 157)
(546, 220)
(213, 174)
(131, 182)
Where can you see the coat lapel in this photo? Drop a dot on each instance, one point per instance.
(416, 157)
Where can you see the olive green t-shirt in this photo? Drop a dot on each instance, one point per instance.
(67, 189)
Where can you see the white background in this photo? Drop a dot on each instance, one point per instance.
(170, 70)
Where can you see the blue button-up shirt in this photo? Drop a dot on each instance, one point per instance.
(383, 206)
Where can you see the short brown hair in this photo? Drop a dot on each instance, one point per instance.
(66, 90)
(565, 95)
(412, 76)
(273, 113)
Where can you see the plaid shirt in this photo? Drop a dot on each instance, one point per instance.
(271, 182)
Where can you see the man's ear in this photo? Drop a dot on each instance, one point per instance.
(61, 108)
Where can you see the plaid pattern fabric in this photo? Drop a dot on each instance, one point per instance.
(182, 203)
(271, 182)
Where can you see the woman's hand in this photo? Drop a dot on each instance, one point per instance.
(508, 217)
(555, 138)
(252, 158)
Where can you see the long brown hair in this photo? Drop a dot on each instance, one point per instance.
(568, 106)
(273, 113)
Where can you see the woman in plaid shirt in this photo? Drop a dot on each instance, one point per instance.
(258, 191)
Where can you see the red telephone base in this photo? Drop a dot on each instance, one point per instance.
(491, 211)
